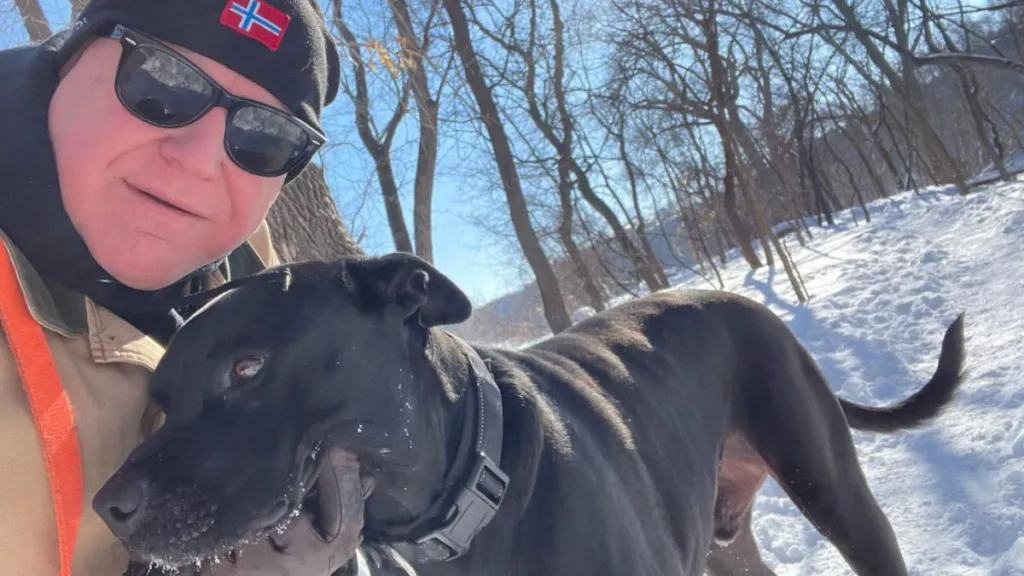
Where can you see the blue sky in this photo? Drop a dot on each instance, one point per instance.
(460, 250)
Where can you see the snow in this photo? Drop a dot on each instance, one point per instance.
(882, 295)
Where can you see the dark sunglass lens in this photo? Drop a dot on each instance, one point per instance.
(264, 141)
(163, 89)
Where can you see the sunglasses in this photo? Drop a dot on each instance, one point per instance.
(163, 88)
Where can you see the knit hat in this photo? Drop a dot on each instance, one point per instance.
(282, 45)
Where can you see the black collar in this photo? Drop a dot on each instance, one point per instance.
(475, 484)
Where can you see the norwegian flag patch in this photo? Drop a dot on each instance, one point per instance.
(257, 20)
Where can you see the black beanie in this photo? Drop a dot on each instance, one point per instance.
(282, 45)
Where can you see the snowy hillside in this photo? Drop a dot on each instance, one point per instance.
(882, 296)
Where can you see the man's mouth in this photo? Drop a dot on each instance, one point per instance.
(152, 196)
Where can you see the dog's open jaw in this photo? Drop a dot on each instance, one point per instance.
(331, 488)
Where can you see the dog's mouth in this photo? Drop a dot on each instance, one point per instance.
(331, 493)
(326, 504)
(333, 487)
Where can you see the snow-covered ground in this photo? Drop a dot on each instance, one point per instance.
(882, 295)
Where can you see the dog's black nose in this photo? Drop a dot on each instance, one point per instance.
(121, 502)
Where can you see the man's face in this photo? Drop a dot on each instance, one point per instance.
(152, 204)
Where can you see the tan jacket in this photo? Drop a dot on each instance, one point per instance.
(104, 364)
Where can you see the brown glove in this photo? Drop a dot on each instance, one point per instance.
(312, 544)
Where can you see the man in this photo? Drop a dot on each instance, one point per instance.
(141, 151)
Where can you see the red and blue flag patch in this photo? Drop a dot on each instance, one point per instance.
(257, 20)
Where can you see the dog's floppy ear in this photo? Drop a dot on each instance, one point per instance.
(412, 284)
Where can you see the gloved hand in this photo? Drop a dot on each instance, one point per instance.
(312, 544)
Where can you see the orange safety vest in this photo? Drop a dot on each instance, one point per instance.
(51, 408)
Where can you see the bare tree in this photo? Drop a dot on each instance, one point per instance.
(565, 232)
(404, 73)
(618, 134)
(550, 113)
(76, 8)
(551, 296)
(35, 21)
(905, 87)
(694, 92)
(377, 142)
(988, 135)
(414, 53)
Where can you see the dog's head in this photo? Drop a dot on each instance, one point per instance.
(264, 379)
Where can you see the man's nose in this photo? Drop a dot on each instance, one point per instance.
(122, 501)
(199, 147)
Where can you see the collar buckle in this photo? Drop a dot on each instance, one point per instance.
(475, 506)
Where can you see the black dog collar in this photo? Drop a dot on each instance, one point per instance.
(478, 496)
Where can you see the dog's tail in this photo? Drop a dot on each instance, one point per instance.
(928, 402)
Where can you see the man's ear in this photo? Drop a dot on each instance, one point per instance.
(413, 285)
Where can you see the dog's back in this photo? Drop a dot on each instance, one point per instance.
(683, 403)
(644, 392)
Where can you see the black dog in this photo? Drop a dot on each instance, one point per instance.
(633, 443)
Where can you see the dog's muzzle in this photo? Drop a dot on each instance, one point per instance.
(329, 510)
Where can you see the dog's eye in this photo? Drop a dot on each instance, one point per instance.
(247, 368)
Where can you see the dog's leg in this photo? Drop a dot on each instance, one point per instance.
(740, 556)
(798, 428)
(742, 473)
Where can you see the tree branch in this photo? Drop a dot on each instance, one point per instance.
(954, 58)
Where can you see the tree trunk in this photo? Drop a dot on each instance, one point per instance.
(854, 188)
(650, 258)
(379, 146)
(791, 271)
(740, 136)
(761, 228)
(76, 8)
(423, 189)
(688, 214)
(720, 95)
(722, 234)
(890, 163)
(565, 230)
(392, 203)
(32, 16)
(428, 109)
(982, 123)
(547, 283)
(738, 228)
(797, 192)
(821, 202)
(305, 224)
(775, 158)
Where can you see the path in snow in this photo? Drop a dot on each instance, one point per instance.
(882, 295)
